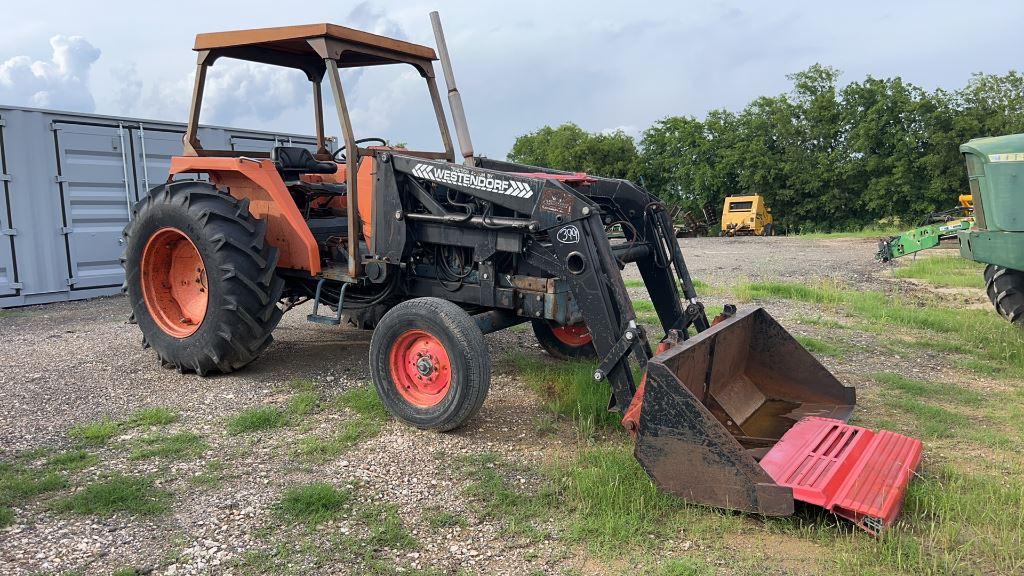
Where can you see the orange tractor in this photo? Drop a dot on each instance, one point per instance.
(431, 254)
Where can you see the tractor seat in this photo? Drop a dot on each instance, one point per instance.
(293, 161)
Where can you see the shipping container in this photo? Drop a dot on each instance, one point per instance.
(68, 183)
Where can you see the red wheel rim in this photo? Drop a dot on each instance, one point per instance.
(574, 335)
(420, 368)
(174, 283)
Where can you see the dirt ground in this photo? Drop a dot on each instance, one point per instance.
(69, 364)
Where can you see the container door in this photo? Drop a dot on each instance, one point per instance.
(153, 149)
(8, 281)
(94, 173)
(260, 143)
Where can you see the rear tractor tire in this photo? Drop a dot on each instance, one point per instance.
(430, 364)
(200, 278)
(1005, 288)
(565, 342)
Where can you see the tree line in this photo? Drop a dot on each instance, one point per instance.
(880, 151)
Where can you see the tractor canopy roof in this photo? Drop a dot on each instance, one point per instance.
(305, 47)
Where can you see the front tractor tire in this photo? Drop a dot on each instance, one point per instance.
(565, 342)
(200, 279)
(430, 364)
(1005, 288)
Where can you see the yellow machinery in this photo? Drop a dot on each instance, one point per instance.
(746, 216)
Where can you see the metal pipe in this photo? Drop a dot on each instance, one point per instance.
(474, 221)
(145, 165)
(454, 99)
(351, 168)
(124, 166)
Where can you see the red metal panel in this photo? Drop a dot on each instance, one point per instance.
(855, 473)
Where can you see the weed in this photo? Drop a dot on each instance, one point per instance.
(95, 433)
(313, 503)
(125, 572)
(256, 419)
(176, 446)
(153, 416)
(117, 493)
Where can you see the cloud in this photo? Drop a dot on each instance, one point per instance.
(61, 82)
(247, 90)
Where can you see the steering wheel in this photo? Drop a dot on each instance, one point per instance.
(339, 157)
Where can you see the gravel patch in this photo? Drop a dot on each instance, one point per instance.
(68, 364)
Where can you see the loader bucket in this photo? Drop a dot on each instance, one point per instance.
(741, 416)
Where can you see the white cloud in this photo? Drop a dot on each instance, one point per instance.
(246, 90)
(61, 82)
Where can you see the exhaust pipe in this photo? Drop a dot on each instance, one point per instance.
(454, 98)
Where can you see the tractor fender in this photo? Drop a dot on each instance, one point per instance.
(258, 181)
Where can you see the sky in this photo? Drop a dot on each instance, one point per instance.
(519, 65)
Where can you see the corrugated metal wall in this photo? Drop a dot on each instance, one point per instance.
(68, 181)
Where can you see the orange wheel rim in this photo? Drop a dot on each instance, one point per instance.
(420, 368)
(174, 283)
(574, 335)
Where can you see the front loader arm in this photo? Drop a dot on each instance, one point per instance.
(565, 219)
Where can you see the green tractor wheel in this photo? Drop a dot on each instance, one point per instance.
(1005, 288)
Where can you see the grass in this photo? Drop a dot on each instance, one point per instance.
(19, 483)
(386, 528)
(257, 419)
(611, 504)
(569, 388)
(95, 433)
(303, 404)
(819, 346)
(363, 401)
(6, 516)
(174, 446)
(351, 432)
(497, 498)
(313, 503)
(821, 322)
(944, 271)
(866, 232)
(981, 334)
(952, 523)
(152, 416)
(439, 519)
(72, 460)
(117, 493)
(681, 567)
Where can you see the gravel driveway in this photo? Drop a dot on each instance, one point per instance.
(68, 364)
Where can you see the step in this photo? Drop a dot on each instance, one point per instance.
(851, 471)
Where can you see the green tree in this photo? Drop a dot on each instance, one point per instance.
(825, 157)
(569, 147)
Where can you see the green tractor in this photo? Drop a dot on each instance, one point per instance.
(995, 169)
